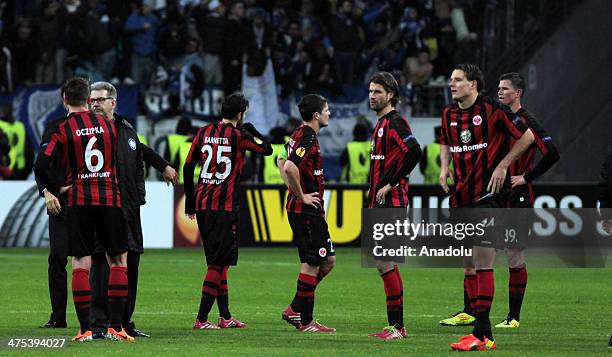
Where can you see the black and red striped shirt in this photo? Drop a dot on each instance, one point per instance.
(391, 140)
(478, 138)
(542, 142)
(304, 151)
(220, 149)
(87, 144)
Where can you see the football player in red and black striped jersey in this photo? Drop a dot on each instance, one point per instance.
(394, 153)
(303, 173)
(511, 90)
(220, 149)
(87, 145)
(476, 130)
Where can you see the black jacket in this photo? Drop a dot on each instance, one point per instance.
(56, 173)
(605, 186)
(130, 155)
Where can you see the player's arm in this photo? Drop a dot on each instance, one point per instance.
(292, 173)
(280, 162)
(140, 172)
(515, 127)
(252, 140)
(423, 162)
(407, 142)
(193, 158)
(445, 155)
(604, 194)
(550, 155)
(445, 174)
(159, 163)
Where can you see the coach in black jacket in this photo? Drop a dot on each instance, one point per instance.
(58, 238)
(130, 156)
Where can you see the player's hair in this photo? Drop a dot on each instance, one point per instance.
(311, 104)
(110, 89)
(472, 73)
(388, 82)
(76, 91)
(233, 104)
(518, 82)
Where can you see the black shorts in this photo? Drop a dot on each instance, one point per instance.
(220, 239)
(312, 237)
(519, 197)
(85, 223)
(489, 213)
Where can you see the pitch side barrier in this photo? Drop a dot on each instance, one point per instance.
(562, 214)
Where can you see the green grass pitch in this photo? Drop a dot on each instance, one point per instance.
(566, 311)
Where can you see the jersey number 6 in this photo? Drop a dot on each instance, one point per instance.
(90, 152)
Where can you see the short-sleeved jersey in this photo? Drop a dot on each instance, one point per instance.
(87, 144)
(391, 140)
(220, 149)
(304, 151)
(542, 142)
(478, 138)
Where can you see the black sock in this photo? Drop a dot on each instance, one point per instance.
(223, 297)
(516, 291)
(295, 303)
(306, 293)
(117, 295)
(482, 325)
(486, 291)
(210, 289)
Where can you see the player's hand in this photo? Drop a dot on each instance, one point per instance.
(191, 216)
(170, 175)
(64, 189)
(311, 199)
(445, 175)
(52, 203)
(607, 226)
(382, 193)
(497, 180)
(518, 180)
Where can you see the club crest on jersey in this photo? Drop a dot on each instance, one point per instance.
(300, 151)
(477, 120)
(322, 252)
(465, 136)
(380, 132)
(132, 143)
(258, 141)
